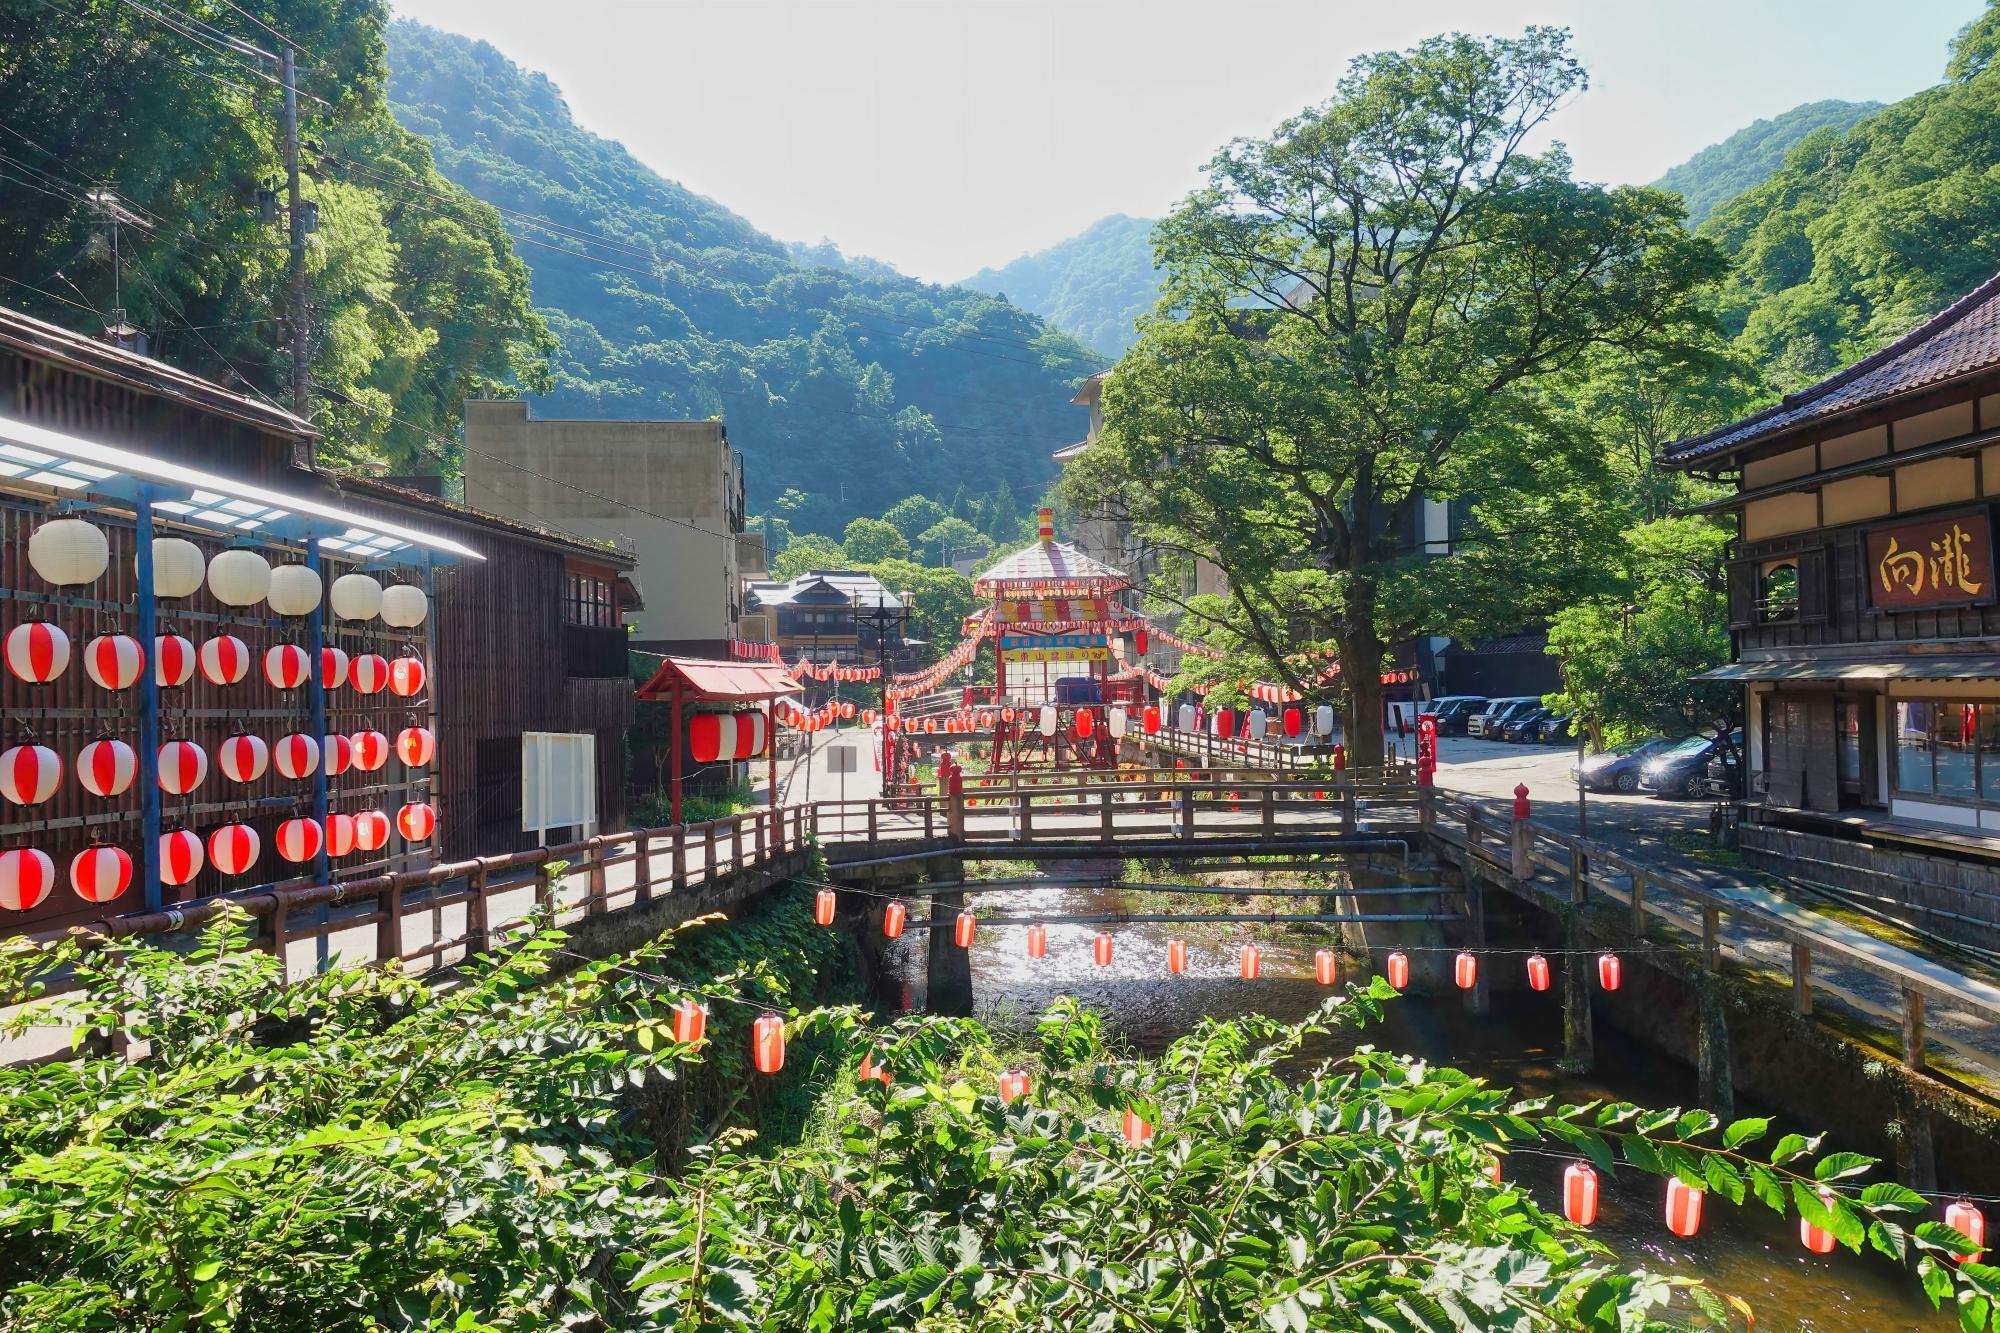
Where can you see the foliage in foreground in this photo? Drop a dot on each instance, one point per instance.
(364, 1151)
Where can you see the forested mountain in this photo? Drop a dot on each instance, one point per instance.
(1092, 285)
(1721, 171)
(666, 304)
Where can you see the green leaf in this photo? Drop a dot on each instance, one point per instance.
(1841, 1165)
(1744, 1131)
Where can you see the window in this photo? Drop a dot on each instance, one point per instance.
(587, 600)
(1948, 749)
(1778, 592)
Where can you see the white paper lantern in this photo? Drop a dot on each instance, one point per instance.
(1323, 720)
(356, 597)
(295, 590)
(239, 578)
(1260, 723)
(1118, 721)
(1046, 723)
(178, 567)
(69, 550)
(404, 606)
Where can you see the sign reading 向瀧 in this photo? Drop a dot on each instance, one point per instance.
(1943, 561)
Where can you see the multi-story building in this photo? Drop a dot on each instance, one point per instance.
(839, 616)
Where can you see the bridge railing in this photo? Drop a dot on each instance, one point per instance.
(1269, 753)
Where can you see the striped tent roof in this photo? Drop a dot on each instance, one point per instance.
(1048, 566)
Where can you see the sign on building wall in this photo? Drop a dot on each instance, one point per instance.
(1054, 648)
(1944, 561)
(559, 781)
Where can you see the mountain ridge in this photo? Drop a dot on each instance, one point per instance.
(1091, 285)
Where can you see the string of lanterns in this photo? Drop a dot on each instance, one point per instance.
(808, 669)
(921, 682)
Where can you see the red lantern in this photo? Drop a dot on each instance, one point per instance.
(340, 834)
(114, 661)
(182, 765)
(37, 652)
(1013, 1086)
(1135, 1129)
(1683, 1208)
(1295, 721)
(225, 659)
(26, 876)
(1580, 1193)
(1006, 715)
(767, 1043)
(846, 710)
(297, 756)
(29, 774)
(1101, 948)
(1609, 974)
(1812, 1237)
(1150, 719)
(406, 677)
(930, 724)
(1177, 956)
(337, 753)
(415, 746)
(181, 857)
(368, 673)
(299, 840)
(752, 734)
(233, 848)
(1326, 967)
(690, 1021)
(823, 905)
(371, 830)
(893, 917)
(1970, 1223)
(173, 660)
(370, 750)
(1038, 941)
(332, 668)
(242, 758)
(286, 665)
(99, 874)
(1084, 724)
(873, 1069)
(416, 821)
(1225, 722)
(1249, 962)
(1398, 966)
(1139, 641)
(1538, 972)
(1465, 971)
(961, 930)
(705, 739)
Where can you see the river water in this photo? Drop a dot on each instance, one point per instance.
(1748, 1251)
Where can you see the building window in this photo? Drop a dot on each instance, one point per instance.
(1778, 592)
(1948, 749)
(587, 600)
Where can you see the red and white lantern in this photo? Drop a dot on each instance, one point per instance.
(1397, 966)
(767, 1043)
(286, 665)
(893, 917)
(181, 857)
(416, 822)
(297, 756)
(368, 673)
(173, 660)
(332, 668)
(1136, 1130)
(1580, 1193)
(753, 730)
(114, 661)
(824, 903)
(1812, 1237)
(1970, 1223)
(183, 767)
(1465, 971)
(243, 758)
(37, 652)
(1177, 956)
(370, 750)
(340, 834)
(107, 767)
(1683, 1208)
(337, 753)
(1538, 972)
(371, 830)
(234, 848)
(299, 840)
(962, 928)
(1249, 962)
(100, 874)
(1326, 967)
(872, 1069)
(1038, 941)
(690, 1022)
(29, 774)
(406, 677)
(711, 736)
(1013, 1086)
(1609, 974)
(1101, 948)
(26, 876)
(225, 659)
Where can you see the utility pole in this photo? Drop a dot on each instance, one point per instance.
(296, 319)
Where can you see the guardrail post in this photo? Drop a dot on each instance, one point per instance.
(1913, 1029)
(642, 869)
(1347, 810)
(1104, 829)
(954, 814)
(1802, 997)
(1186, 797)
(680, 857)
(475, 909)
(1638, 901)
(1711, 936)
(389, 927)
(1024, 827)
(1579, 874)
(594, 893)
(1521, 865)
(874, 809)
(1268, 812)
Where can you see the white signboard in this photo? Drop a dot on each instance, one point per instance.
(559, 781)
(841, 759)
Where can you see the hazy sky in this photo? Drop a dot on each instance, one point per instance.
(946, 135)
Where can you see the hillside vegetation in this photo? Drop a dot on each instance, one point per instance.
(1092, 285)
(1721, 171)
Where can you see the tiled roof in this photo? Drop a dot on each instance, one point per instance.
(1961, 340)
(1048, 562)
(855, 588)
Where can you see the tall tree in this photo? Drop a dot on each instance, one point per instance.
(1362, 312)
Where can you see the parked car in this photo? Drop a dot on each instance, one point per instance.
(1554, 729)
(1524, 726)
(1724, 775)
(1682, 770)
(1620, 767)
(1453, 711)
(1497, 713)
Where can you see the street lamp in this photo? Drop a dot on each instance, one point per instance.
(884, 617)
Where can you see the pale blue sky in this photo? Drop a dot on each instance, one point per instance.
(945, 135)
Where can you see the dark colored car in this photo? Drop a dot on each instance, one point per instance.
(1487, 722)
(1453, 710)
(1524, 726)
(1554, 729)
(1619, 768)
(1682, 770)
(1724, 775)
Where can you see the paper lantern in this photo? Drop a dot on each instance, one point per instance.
(1150, 719)
(173, 660)
(114, 661)
(225, 659)
(406, 677)
(1580, 1193)
(1465, 971)
(107, 767)
(178, 567)
(294, 591)
(1323, 720)
(1970, 1223)
(286, 665)
(1249, 962)
(1260, 724)
(298, 840)
(26, 876)
(767, 1043)
(872, 1068)
(67, 551)
(1683, 1207)
(29, 774)
(371, 830)
(234, 848)
(753, 734)
(1135, 1129)
(415, 746)
(1119, 721)
(1225, 722)
(1045, 721)
(243, 758)
(1812, 1237)
(368, 673)
(183, 766)
(404, 606)
(893, 917)
(690, 1022)
(1326, 967)
(416, 821)
(340, 834)
(100, 874)
(336, 752)
(1038, 941)
(1609, 973)
(710, 736)
(1139, 642)
(962, 928)
(239, 578)
(297, 756)
(1184, 717)
(1013, 1086)
(1493, 1169)
(355, 597)
(1100, 948)
(1177, 956)
(332, 668)
(1398, 968)
(1083, 724)
(1295, 722)
(37, 652)
(823, 906)
(181, 857)
(1538, 972)
(370, 750)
